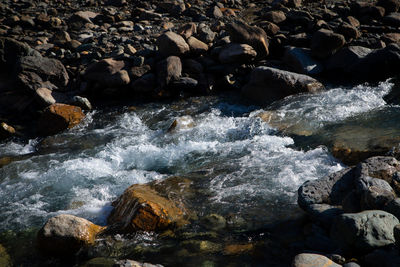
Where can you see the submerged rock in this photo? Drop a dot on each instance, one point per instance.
(59, 117)
(268, 84)
(64, 235)
(364, 231)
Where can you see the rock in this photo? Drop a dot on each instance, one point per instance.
(58, 117)
(107, 73)
(185, 84)
(5, 259)
(181, 123)
(197, 46)
(351, 264)
(364, 231)
(312, 260)
(141, 208)
(48, 69)
(132, 263)
(268, 84)
(187, 30)
(275, 16)
(289, 3)
(392, 19)
(81, 102)
(64, 235)
(349, 32)
(83, 17)
(256, 37)
(168, 70)
(393, 207)
(300, 60)
(376, 197)
(389, 5)
(172, 44)
(201, 246)
(214, 12)
(240, 53)
(46, 97)
(325, 43)
(214, 222)
(346, 57)
(6, 130)
(382, 257)
(61, 37)
(391, 37)
(270, 28)
(238, 249)
(11, 50)
(205, 34)
(145, 84)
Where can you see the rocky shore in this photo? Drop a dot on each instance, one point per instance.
(61, 59)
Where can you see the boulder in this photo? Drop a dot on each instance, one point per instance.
(48, 69)
(46, 97)
(312, 260)
(64, 235)
(11, 50)
(382, 257)
(214, 12)
(145, 84)
(58, 117)
(269, 84)
(392, 19)
(182, 123)
(389, 5)
(140, 207)
(81, 102)
(107, 73)
(325, 43)
(275, 16)
(82, 17)
(237, 53)
(364, 231)
(172, 44)
(169, 69)
(301, 61)
(5, 259)
(6, 130)
(197, 46)
(205, 34)
(243, 33)
(346, 57)
(187, 30)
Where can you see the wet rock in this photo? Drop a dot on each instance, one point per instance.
(197, 46)
(58, 117)
(268, 84)
(64, 235)
(141, 208)
(107, 73)
(238, 249)
(312, 260)
(241, 53)
(132, 263)
(301, 61)
(364, 231)
(172, 44)
(256, 37)
(6, 130)
(46, 97)
(48, 69)
(168, 70)
(325, 43)
(201, 246)
(5, 259)
(182, 123)
(81, 102)
(214, 222)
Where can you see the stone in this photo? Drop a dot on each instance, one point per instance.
(392, 19)
(364, 231)
(201, 246)
(141, 208)
(391, 37)
(301, 61)
(59, 117)
(351, 264)
(214, 12)
(205, 34)
(132, 263)
(269, 84)
(61, 37)
(83, 17)
(46, 97)
(382, 257)
(243, 33)
(185, 84)
(172, 44)
(313, 260)
(376, 197)
(5, 259)
(325, 43)
(48, 69)
(214, 222)
(181, 123)
(237, 53)
(6, 130)
(346, 57)
(64, 235)
(269, 27)
(275, 16)
(197, 46)
(349, 32)
(188, 29)
(108, 73)
(81, 102)
(393, 207)
(168, 70)
(145, 84)
(389, 5)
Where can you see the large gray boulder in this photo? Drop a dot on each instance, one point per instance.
(364, 231)
(269, 84)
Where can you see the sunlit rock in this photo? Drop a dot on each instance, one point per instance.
(182, 123)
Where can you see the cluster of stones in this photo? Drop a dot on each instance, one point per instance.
(356, 212)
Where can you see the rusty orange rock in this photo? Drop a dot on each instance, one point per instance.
(58, 117)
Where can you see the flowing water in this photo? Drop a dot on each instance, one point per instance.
(239, 164)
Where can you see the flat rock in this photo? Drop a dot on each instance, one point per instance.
(240, 53)
(269, 84)
(364, 231)
(65, 234)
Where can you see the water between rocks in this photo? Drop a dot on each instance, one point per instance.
(238, 163)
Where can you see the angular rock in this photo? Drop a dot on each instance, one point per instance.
(325, 43)
(205, 34)
(187, 30)
(256, 37)
(6, 130)
(349, 32)
(141, 208)
(58, 117)
(64, 235)
(240, 53)
(364, 231)
(47, 97)
(168, 70)
(81, 102)
(275, 16)
(172, 44)
(11, 50)
(197, 46)
(300, 60)
(346, 57)
(393, 19)
(313, 260)
(108, 73)
(389, 5)
(269, 84)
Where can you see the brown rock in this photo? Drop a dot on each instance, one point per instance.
(6, 130)
(107, 73)
(187, 30)
(352, 21)
(64, 235)
(313, 260)
(256, 37)
(197, 46)
(391, 37)
(169, 69)
(237, 249)
(240, 53)
(325, 43)
(140, 207)
(47, 97)
(275, 16)
(349, 32)
(58, 117)
(172, 44)
(269, 27)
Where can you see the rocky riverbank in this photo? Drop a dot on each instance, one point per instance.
(60, 59)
